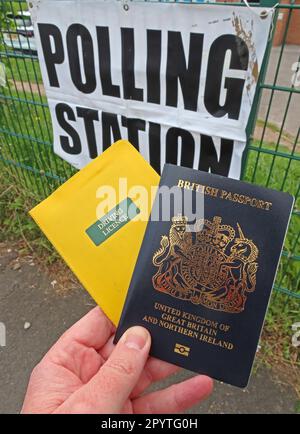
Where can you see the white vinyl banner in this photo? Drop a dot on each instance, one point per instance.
(176, 80)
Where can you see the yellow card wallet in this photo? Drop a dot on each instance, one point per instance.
(96, 220)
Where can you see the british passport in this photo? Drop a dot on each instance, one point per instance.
(205, 271)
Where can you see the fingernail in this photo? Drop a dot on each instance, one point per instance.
(136, 338)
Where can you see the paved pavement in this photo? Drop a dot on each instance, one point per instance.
(26, 295)
(281, 100)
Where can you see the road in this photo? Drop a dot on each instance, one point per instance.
(27, 296)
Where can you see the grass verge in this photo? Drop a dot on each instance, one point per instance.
(276, 349)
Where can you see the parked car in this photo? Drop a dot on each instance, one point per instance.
(20, 35)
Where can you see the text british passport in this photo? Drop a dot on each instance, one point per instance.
(202, 282)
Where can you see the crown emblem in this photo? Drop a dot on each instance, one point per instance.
(215, 266)
(179, 220)
(215, 233)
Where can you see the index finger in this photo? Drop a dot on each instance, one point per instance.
(93, 330)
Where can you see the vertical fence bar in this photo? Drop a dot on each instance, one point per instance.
(26, 132)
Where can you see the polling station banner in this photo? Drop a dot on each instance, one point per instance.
(176, 80)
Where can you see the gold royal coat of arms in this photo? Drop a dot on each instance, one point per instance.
(214, 267)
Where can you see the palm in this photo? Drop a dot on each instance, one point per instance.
(73, 362)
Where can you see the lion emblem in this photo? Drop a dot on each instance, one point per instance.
(215, 267)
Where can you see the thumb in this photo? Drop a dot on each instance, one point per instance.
(109, 389)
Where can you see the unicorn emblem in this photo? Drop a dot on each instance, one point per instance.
(215, 267)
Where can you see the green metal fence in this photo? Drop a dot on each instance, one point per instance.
(272, 155)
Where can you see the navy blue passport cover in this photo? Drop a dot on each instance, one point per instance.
(203, 295)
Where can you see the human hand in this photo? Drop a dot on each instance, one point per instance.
(84, 372)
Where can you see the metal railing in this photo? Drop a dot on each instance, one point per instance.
(271, 158)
